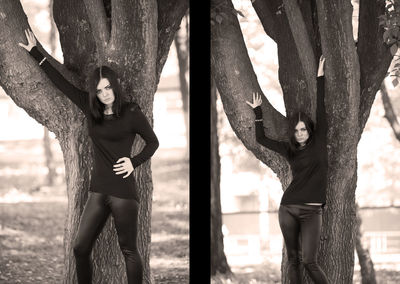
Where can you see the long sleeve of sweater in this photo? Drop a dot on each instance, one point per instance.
(322, 125)
(277, 146)
(143, 128)
(77, 96)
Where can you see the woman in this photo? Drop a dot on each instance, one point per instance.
(113, 125)
(300, 211)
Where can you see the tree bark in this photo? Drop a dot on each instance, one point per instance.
(133, 51)
(390, 115)
(323, 25)
(219, 263)
(48, 154)
(182, 50)
(365, 261)
(51, 174)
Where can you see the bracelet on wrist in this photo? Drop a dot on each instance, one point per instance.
(258, 120)
(43, 60)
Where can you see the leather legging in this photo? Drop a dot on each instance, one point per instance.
(301, 226)
(97, 209)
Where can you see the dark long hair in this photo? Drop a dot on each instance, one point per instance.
(293, 120)
(96, 106)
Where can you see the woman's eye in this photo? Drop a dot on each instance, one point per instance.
(98, 92)
(108, 87)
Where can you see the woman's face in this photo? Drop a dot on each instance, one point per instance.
(104, 92)
(300, 133)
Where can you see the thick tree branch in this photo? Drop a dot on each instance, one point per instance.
(294, 86)
(374, 55)
(124, 14)
(98, 21)
(139, 45)
(170, 14)
(76, 36)
(22, 79)
(276, 24)
(236, 81)
(341, 62)
(390, 115)
(304, 47)
(266, 11)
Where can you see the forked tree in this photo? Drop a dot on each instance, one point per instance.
(303, 30)
(133, 37)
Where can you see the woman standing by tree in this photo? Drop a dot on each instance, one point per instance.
(300, 211)
(113, 125)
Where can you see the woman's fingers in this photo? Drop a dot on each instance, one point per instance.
(256, 100)
(118, 167)
(119, 164)
(121, 160)
(127, 174)
(30, 37)
(24, 45)
(123, 166)
(119, 171)
(123, 171)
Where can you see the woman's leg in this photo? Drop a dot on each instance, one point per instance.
(93, 218)
(125, 213)
(311, 222)
(290, 227)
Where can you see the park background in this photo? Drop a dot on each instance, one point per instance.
(32, 211)
(251, 192)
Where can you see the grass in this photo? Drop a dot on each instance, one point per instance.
(31, 233)
(267, 273)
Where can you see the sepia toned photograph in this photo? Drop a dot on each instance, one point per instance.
(94, 141)
(305, 171)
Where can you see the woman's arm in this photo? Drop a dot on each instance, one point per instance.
(126, 165)
(77, 96)
(143, 128)
(277, 146)
(322, 125)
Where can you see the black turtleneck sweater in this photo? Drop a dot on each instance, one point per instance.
(309, 165)
(112, 138)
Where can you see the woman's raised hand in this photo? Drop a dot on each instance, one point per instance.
(256, 100)
(31, 40)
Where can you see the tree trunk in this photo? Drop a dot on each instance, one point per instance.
(390, 115)
(219, 263)
(182, 50)
(51, 174)
(48, 154)
(76, 148)
(366, 264)
(136, 48)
